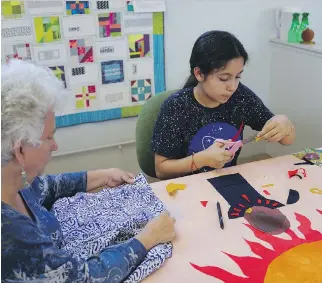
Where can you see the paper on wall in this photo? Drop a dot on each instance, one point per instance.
(147, 6)
(82, 74)
(140, 69)
(16, 30)
(111, 49)
(41, 7)
(78, 26)
(50, 54)
(114, 96)
(136, 23)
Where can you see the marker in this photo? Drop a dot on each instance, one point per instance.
(221, 221)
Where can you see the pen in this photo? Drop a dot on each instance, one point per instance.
(221, 221)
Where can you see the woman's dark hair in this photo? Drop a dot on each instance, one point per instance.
(212, 51)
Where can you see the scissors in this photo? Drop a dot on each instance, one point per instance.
(234, 146)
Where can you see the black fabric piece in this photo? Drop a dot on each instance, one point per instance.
(293, 197)
(240, 195)
(305, 162)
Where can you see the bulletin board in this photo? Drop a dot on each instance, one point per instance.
(110, 58)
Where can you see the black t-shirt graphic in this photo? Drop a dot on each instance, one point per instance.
(184, 126)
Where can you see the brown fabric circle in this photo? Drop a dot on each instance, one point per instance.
(268, 220)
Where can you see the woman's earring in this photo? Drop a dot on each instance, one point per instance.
(24, 177)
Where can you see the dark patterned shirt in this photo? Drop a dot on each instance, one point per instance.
(184, 126)
(30, 247)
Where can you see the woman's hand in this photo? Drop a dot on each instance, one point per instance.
(276, 129)
(215, 156)
(115, 177)
(159, 230)
(111, 178)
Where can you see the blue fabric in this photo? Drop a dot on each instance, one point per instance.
(92, 222)
(32, 248)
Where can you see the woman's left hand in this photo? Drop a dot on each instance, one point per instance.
(276, 129)
(115, 177)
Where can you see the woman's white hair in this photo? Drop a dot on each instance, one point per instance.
(27, 93)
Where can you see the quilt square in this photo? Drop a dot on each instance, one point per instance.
(81, 51)
(129, 5)
(85, 96)
(139, 45)
(47, 29)
(77, 7)
(141, 90)
(12, 8)
(78, 71)
(112, 72)
(59, 72)
(109, 25)
(19, 51)
(102, 5)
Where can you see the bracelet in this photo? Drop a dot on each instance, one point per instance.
(193, 164)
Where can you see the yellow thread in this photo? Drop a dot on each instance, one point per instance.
(316, 191)
(268, 185)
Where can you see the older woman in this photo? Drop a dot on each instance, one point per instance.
(31, 235)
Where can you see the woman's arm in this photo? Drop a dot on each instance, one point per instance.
(273, 128)
(278, 129)
(173, 168)
(49, 188)
(30, 255)
(111, 178)
(44, 262)
(289, 139)
(214, 156)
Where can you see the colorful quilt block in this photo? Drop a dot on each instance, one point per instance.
(13, 9)
(81, 50)
(77, 7)
(129, 5)
(102, 5)
(85, 96)
(47, 29)
(109, 25)
(141, 90)
(112, 71)
(20, 51)
(139, 45)
(59, 72)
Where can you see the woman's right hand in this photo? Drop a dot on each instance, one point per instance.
(215, 156)
(158, 230)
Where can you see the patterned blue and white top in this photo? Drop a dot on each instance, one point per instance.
(31, 247)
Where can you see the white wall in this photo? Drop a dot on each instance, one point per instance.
(252, 21)
(296, 90)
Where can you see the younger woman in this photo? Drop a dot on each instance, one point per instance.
(212, 105)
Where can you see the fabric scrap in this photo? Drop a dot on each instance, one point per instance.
(240, 194)
(293, 197)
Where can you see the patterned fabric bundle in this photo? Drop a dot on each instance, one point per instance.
(92, 222)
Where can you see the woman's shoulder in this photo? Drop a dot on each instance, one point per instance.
(243, 92)
(179, 99)
(14, 224)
